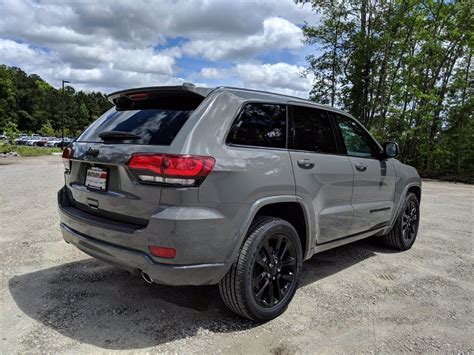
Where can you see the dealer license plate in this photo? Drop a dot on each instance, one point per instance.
(96, 178)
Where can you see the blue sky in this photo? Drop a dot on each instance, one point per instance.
(110, 45)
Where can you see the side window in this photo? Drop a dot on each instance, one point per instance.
(312, 130)
(260, 125)
(358, 143)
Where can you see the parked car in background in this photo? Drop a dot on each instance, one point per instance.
(196, 186)
(33, 140)
(58, 142)
(44, 141)
(22, 139)
(54, 142)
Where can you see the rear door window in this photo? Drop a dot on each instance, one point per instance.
(312, 130)
(260, 125)
(153, 126)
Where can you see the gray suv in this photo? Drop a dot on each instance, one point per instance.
(196, 186)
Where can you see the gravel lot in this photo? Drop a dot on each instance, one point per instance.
(357, 298)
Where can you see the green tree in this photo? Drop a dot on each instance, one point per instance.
(403, 68)
(11, 131)
(34, 105)
(47, 130)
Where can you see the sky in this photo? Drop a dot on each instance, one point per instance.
(112, 45)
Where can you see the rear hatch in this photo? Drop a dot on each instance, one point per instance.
(143, 121)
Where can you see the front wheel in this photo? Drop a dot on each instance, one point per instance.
(404, 232)
(263, 279)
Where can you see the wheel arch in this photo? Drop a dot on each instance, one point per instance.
(414, 187)
(274, 206)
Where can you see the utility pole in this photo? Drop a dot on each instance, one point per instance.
(62, 115)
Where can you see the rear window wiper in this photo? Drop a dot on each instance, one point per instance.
(118, 135)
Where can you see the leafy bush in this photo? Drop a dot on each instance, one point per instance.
(11, 131)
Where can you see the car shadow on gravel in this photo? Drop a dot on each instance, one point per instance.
(97, 304)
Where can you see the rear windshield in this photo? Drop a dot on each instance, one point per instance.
(154, 126)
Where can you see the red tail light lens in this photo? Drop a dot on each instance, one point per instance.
(184, 170)
(162, 252)
(67, 154)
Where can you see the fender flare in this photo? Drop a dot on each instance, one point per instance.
(401, 201)
(252, 212)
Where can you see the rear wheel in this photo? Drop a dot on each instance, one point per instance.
(404, 232)
(264, 278)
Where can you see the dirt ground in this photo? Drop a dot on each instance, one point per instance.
(357, 298)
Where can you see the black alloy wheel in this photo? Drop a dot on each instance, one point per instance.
(274, 270)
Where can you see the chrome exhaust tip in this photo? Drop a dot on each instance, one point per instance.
(146, 277)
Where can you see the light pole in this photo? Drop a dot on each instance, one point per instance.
(62, 115)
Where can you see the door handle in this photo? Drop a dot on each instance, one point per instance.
(305, 164)
(360, 167)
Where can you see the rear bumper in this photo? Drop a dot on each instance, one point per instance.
(136, 261)
(202, 243)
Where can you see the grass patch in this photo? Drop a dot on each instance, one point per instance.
(26, 151)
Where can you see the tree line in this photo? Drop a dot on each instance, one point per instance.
(28, 104)
(404, 69)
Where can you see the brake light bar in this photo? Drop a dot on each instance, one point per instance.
(138, 96)
(170, 169)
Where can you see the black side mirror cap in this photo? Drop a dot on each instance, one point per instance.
(390, 149)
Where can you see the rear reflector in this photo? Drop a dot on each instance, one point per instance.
(67, 154)
(162, 252)
(183, 170)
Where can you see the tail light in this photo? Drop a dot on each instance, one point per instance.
(168, 169)
(67, 154)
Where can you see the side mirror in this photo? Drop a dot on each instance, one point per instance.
(390, 149)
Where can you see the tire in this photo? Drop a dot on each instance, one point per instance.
(404, 232)
(259, 286)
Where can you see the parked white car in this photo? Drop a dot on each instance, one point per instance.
(21, 140)
(54, 142)
(57, 142)
(33, 140)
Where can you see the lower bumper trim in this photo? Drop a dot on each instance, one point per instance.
(135, 261)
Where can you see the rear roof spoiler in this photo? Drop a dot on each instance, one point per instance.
(186, 89)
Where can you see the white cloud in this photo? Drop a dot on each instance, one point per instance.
(214, 73)
(277, 34)
(14, 53)
(279, 77)
(114, 44)
(53, 69)
(143, 60)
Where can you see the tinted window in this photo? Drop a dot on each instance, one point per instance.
(312, 130)
(154, 126)
(261, 125)
(358, 143)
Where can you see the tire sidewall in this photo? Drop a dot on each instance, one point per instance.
(272, 228)
(407, 245)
